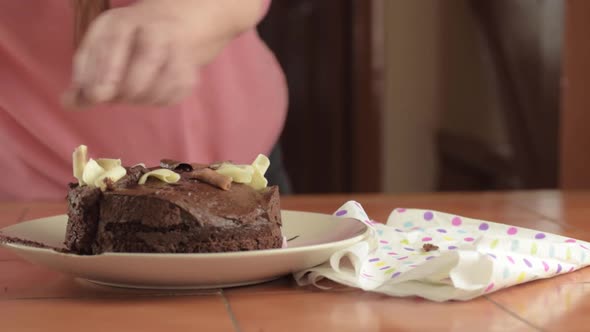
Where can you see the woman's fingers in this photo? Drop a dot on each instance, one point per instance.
(101, 61)
(151, 53)
(174, 81)
(134, 58)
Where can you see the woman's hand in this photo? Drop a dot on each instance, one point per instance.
(149, 53)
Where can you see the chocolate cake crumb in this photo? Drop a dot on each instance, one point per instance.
(429, 247)
(110, 185)
(24, 242)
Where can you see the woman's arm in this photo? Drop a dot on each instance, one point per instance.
(148, 53)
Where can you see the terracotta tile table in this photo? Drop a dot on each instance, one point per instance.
(33, 298)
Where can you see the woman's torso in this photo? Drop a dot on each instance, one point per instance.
(236, 112)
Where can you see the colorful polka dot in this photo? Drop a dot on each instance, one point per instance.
(399, 230)
(341, 213)
(469, 239)
(380, 264)
(545, 266)
(534, 249)
(494, 243)
(558, 269)
(521, 277)
(492, 255)
(401, 210)
(426, 239)
(387, 248)
(570, 241)
(490, 287)
(584, 247)
(430, 257)
(484, 226)
(506, 273)
(389, 271)
(402, 258)
(409, 249)
(568, 254)
(391, 253)
(373, 260)
(456, 221)
(461, 231)
(448, 238)
(512, 231)
(396, 274)
(452, 247)
(428, 216)
(408, 224)
(383, 241)
(540, 236)
(571, 269)
(527, 262)
(440, 230)
(510, 259)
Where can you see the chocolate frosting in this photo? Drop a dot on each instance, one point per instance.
(187, 216)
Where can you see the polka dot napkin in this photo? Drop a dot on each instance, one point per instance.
(441, 257)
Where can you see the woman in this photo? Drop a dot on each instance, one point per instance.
(183, 79)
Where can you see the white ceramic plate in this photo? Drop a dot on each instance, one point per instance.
(319, 236)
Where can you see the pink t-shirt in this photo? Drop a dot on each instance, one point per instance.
(236, 112)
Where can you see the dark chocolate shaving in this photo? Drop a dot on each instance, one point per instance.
(175, 165)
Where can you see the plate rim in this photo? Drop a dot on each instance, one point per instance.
(219, 255)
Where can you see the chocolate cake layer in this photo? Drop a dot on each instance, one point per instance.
(185, 217)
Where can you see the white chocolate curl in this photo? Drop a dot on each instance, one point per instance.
(238, 173)
(251, 175)
(79, 160)
(94, 173)
(161, 174)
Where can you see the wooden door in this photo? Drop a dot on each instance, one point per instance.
(327, 48)
(575, 114)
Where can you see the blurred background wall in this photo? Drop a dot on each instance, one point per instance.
(423, 95)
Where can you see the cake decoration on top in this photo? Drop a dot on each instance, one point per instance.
(95, 173)
(104, 172)
(162, 174)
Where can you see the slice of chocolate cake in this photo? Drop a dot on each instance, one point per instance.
(177, 208)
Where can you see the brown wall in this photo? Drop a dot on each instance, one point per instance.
(575, 116)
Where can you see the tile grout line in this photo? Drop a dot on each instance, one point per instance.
(513, 314)
(230, 312)
(109, 296)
